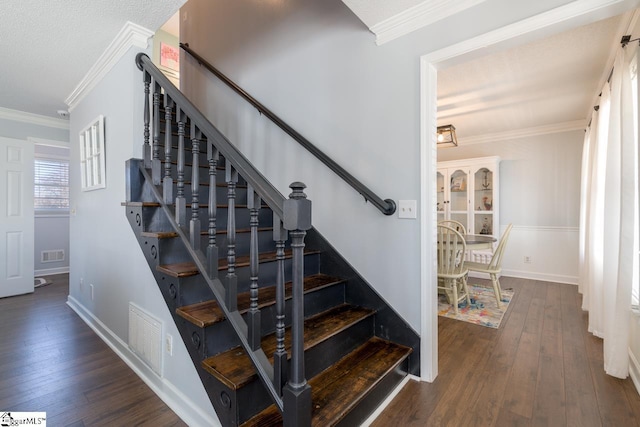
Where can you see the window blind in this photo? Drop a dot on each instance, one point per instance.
(51, 184)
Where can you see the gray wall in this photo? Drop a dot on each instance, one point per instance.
(316, 65)
(104, 251)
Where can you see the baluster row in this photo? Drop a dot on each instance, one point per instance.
(297, 219)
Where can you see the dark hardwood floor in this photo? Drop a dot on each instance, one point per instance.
(541, 368)
(51, 361)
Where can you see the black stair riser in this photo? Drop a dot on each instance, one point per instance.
(267, 272)
(375, 397)
(203, 193)
(219, 337)
(389, 324)
(316, 360)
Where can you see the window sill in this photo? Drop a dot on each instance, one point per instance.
(51, 215)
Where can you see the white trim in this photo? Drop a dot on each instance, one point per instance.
(49, 142)
(634, 370)
(551, 228)
(51, 271)
(428, 74)
(524, 133)
(418, 16)
(129, 36)
(526, 26)
(428, 267)
(33, 119)
(388, 400)
(179, 403)
(544, 277)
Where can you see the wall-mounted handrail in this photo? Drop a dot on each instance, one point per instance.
(386, 206)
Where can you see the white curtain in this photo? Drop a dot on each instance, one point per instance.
(609, 214)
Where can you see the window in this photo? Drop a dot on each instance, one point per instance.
(51, 184)
(92, 158)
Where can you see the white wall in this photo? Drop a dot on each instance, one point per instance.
(317, 66)
(104, 251)
(540, 195)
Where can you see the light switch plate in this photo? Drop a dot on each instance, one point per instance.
(407, 209)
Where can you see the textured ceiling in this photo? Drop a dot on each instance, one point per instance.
(48, 46)
(540, 84)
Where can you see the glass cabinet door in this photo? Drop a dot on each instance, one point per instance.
(458, 191)
(483, 201)
(440, 206)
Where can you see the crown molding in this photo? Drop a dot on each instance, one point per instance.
(418, 16)
(33, 119)
(524, 133)
(131, 35)
(528, 26)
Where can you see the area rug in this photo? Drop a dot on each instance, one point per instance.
(483, 309)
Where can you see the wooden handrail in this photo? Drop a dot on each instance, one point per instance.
(386, 206)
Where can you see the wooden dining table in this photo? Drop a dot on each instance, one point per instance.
(479, 241)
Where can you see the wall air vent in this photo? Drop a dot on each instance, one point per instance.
(54, 255)
(145, 337)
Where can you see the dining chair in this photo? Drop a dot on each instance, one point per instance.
(452, 269)
(494, 267)
(456, 225)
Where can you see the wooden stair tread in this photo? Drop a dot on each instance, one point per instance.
(141, 204)
(184, 269)
(170, 234)
(207, 313)
(234, 368)
(180, 269)
(339, 388)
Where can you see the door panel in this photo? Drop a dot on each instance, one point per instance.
(16, 217)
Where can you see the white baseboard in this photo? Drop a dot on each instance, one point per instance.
(634, 370)
(555, 278)
(184, 407)
(50, 271)
(388, 400)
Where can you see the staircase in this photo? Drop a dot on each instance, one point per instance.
(281, 329)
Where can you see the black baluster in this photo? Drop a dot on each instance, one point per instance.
(231, 176)
(253, 319)
(194, 225)
(181, 203)
(167, 182)
(146, 148)
(297, 392)
(212, 249)
(280, 355)
(156, 166)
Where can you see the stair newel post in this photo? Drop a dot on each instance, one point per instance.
(212, 249)
(146, 148)
(297, 392)
(181, 203)
(253, 319)
(280, 355)
(156, 166)
(167, 182)
(231, 296)
(194, 224)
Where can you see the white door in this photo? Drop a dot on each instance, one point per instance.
(16, 217)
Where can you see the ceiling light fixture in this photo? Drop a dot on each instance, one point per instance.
(447, 136)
